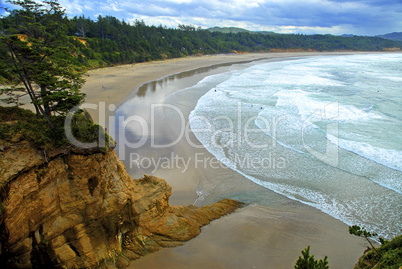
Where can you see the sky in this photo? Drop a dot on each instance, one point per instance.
(337, 17)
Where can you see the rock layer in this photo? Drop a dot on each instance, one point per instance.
(64, 209)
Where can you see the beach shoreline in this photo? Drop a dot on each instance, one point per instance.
(114, 85)
(253, 237)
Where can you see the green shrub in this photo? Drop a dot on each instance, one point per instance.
(86, 131)
(388, 255)
(308, 262)
(17, 123)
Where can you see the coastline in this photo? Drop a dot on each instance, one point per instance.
(113, 85)
(253, 237)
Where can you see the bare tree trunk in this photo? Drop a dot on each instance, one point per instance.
(45, 105)
(27, 83)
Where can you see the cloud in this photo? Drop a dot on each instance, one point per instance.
(367, 17)
(78, 7)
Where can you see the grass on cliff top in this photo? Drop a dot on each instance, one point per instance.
(17, 124)
(388, 255)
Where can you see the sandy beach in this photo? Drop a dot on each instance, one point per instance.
(113, 85)
(255, 236)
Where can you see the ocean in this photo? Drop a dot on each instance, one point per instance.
(325, 131)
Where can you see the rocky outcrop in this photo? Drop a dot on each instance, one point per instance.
(70, 210)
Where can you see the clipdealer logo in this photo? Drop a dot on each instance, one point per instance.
(205, 161)
(239, 131)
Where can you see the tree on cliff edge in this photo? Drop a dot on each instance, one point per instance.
(40, 55)
(308, 261)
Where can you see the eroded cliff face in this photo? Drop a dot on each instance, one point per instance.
(72, 210)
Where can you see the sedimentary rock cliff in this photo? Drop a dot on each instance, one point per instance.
(81, 210)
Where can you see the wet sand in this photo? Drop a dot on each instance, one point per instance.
(256, 236)
(113, 85)
(260, 237)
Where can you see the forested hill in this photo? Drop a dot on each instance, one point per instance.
(109, 41)
(393, 36)
(114, 41)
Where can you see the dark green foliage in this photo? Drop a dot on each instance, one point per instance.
(20, 124)
(388, 255)
(38, 55)
(23, 124)
(358, 231)
(383, 241)
(361, 232)
(309, 262)
(84, 128)
(109, 41)
(47, 53)
(86, 131)
(112, 41)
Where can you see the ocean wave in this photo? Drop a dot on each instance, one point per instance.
(266, 93)
(387, 157)
(321, 107)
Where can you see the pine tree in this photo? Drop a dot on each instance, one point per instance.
(41, 56)
(361, 232)
(309, 262)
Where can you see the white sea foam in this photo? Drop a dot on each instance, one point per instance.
(314, 109)
(308, 95)
(397, 79)
(388, 157)
(350, 212)
(294, 79)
